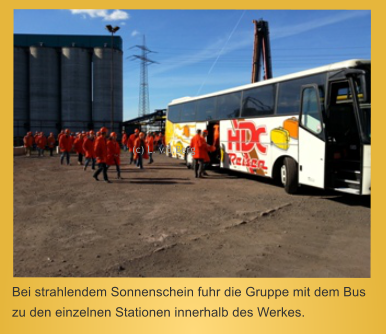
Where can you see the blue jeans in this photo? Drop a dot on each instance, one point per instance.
(40, 151)
(67, 155)
(88, 161)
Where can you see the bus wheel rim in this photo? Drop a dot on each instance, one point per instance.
(283, 174)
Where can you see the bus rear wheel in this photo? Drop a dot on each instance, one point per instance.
(289, 175)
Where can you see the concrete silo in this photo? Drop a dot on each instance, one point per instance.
(44, 89)
(102, 101)
(76, 89)
(63, 81)
(21, 92)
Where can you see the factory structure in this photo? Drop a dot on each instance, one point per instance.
(67, 81)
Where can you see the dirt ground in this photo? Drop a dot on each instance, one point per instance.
(162, 222)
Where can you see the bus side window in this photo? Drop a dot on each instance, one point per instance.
(311, 117)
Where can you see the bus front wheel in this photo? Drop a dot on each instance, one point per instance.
(289, 175)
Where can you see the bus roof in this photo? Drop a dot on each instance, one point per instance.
(326, 68)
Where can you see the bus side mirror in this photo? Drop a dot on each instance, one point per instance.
(362, 80)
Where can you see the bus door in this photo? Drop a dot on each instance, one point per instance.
(213, 140)
(344, 146)
(312, 145)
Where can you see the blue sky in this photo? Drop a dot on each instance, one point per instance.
(203, 51)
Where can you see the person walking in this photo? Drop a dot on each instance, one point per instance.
(61, 133)
(100, 148)
(194, 148)
(51, 141)
(28, 141)
(88, 149)
(140, 151)
(150, 146)
(205, 152)
(41, 142)
(130, 144)
(161, 143)
(78, 147)
(124, 141)
(65, 145)
(35, 136)
(113, 153)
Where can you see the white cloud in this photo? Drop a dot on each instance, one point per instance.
(106, 15)
(134, 33)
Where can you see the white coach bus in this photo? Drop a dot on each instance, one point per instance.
(309, 128)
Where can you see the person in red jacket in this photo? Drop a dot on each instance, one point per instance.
(150, 146)
(34, 146)
(197, 160)
(130, 144)
(88, 149)
(41, 142)
(51, 143)
(60, 134)
(28, 141)
(113, 153)
(161, 143)
(216, 136)
(78, 147)
(124, 141)
(205, 151)
(65, 145)
(140, 151)
(100, 149)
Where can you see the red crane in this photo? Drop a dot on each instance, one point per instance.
(261, 52)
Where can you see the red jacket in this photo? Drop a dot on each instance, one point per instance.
(51, 141)
(113, 153)
(100, 149)
(88, 148)
(65, 143)
(78, 145)
(201, 148)
(195, 141)
(216, 136)
(124, 139)
(59, 135)
(72, 139)
(140, 147)
(149, 144)
(28, 141)
(130, 142)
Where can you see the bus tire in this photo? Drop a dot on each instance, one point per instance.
(289, 175)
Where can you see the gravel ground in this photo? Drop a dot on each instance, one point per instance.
(163, 222)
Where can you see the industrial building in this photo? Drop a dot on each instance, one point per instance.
(65, 81)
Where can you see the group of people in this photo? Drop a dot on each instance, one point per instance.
(104, 150)
(39, 142)
(98, 148)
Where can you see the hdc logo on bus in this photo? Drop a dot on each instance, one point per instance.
(245, 138)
